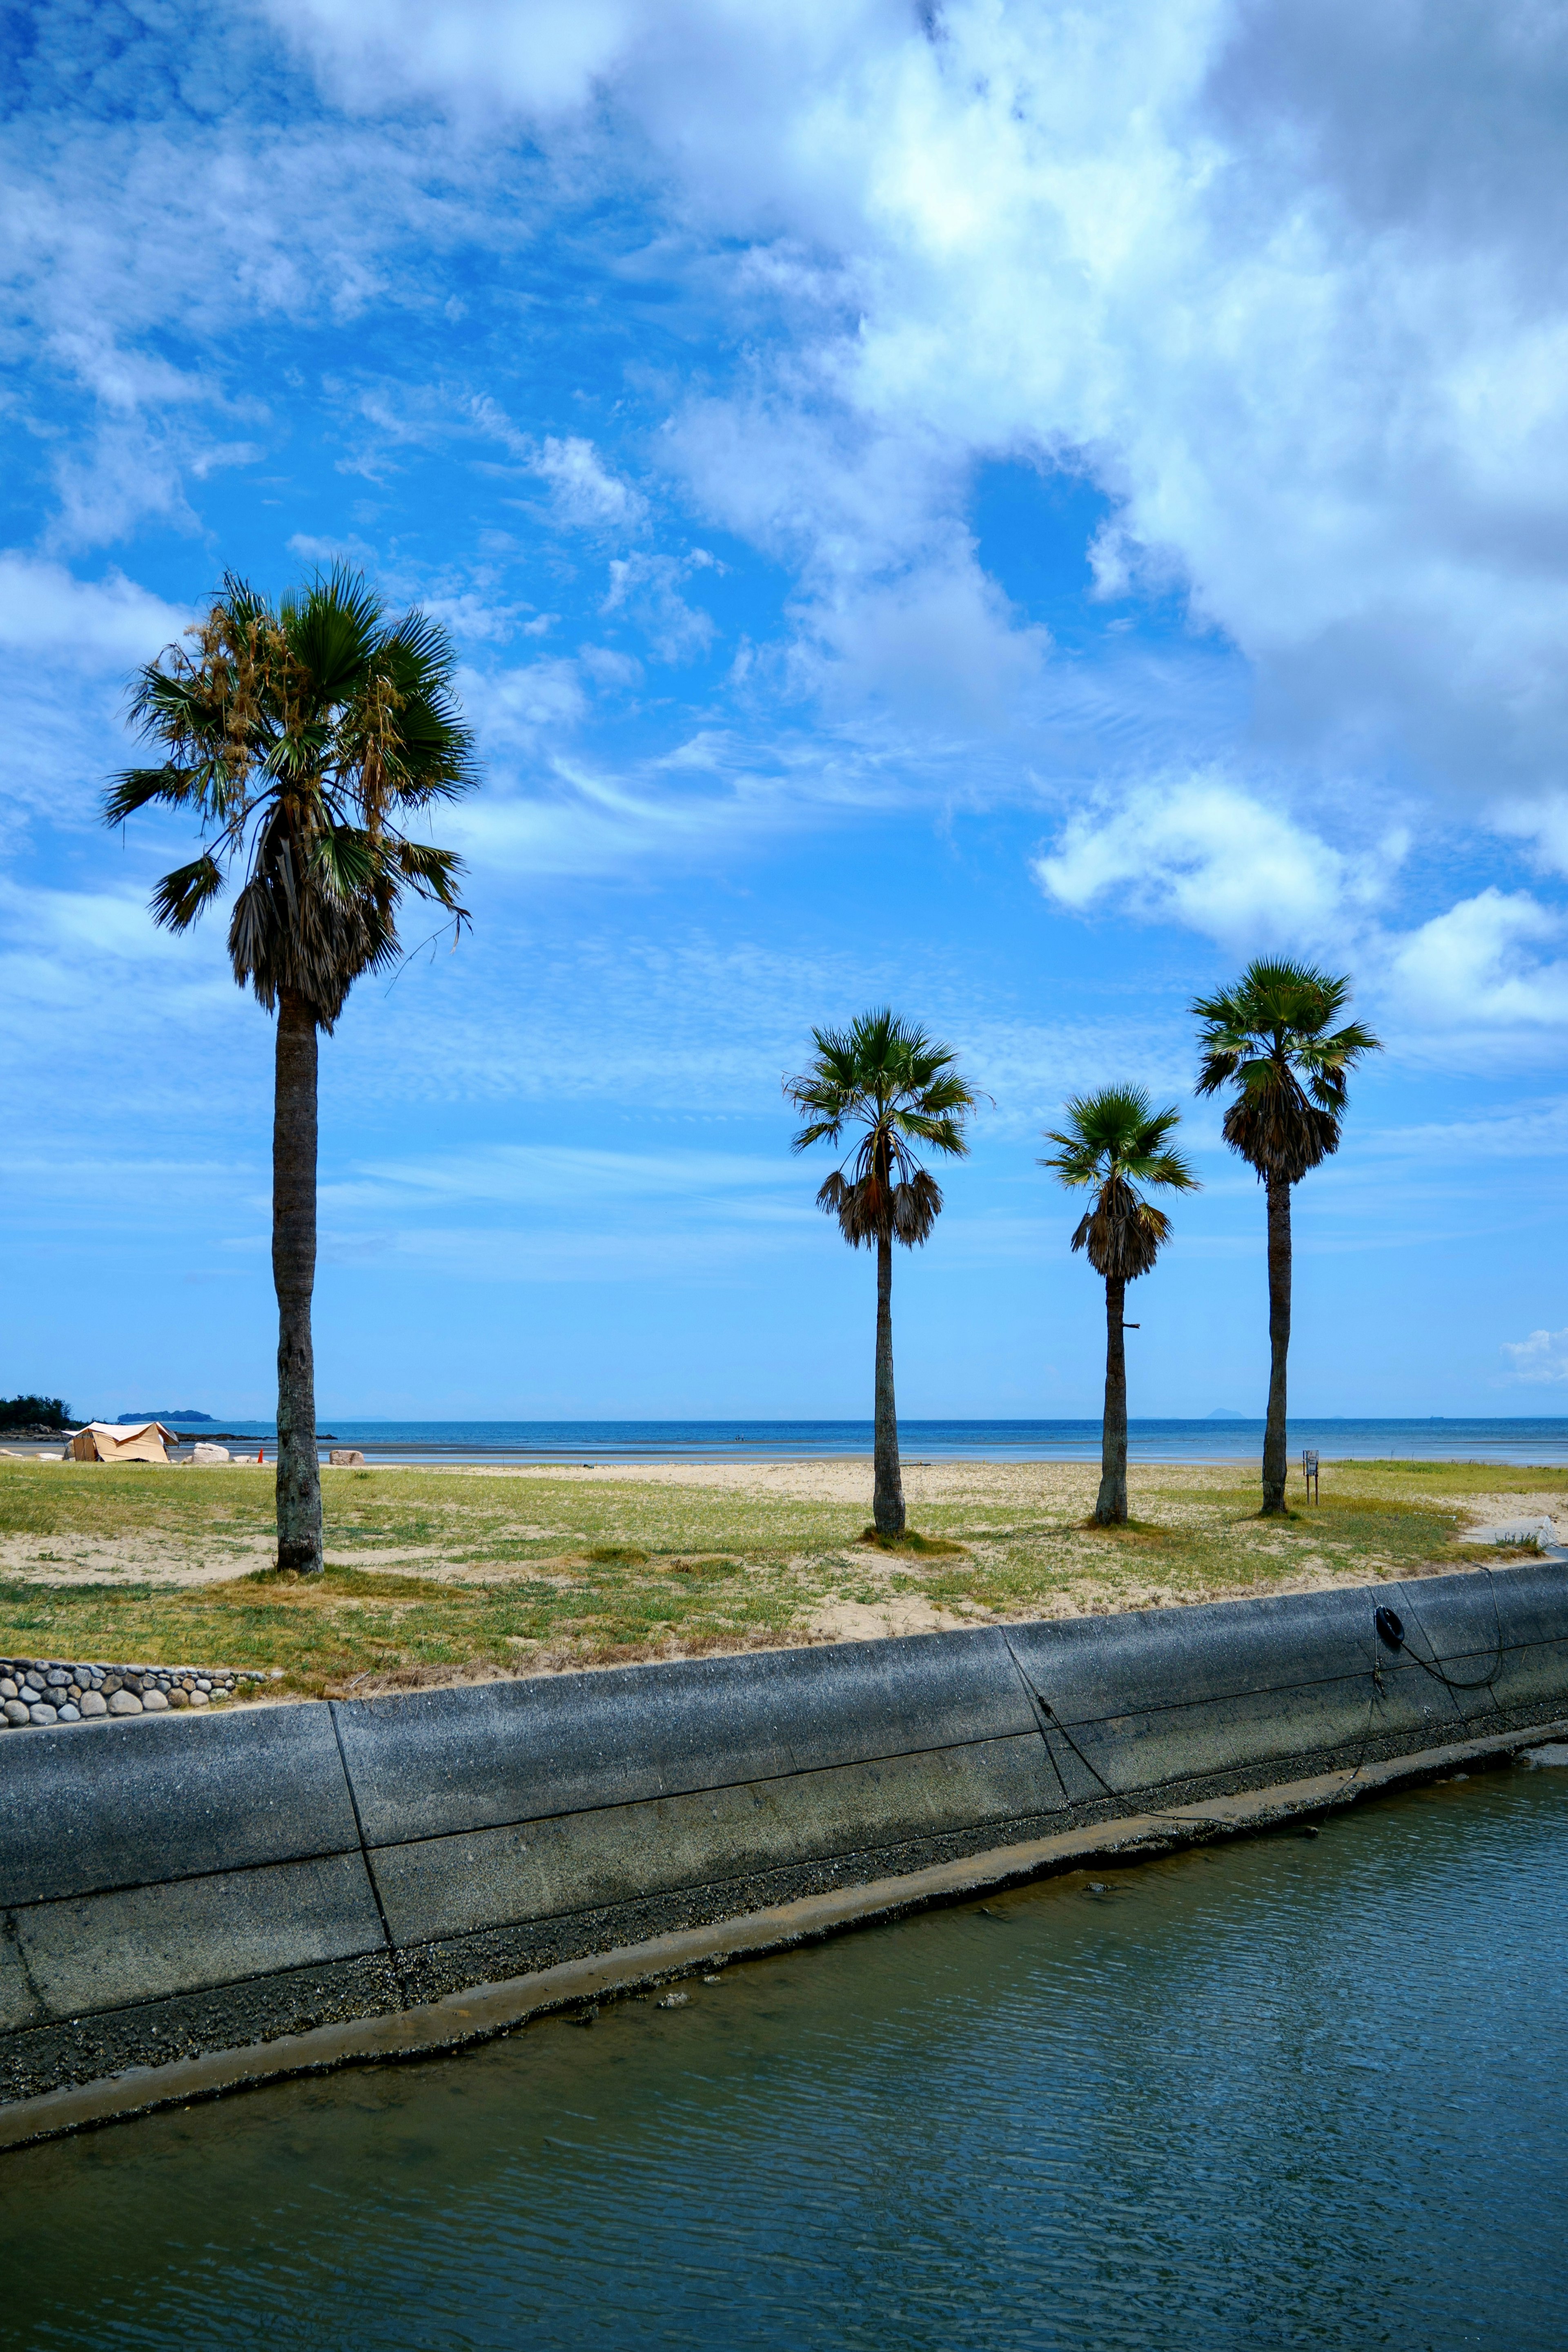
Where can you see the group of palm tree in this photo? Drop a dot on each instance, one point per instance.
(1275, 1037)
(304, 737)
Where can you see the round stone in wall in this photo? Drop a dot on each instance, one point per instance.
(124, 1702)
(154, 1701)
(93, 1703)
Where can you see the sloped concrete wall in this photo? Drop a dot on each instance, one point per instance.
(171, 1886)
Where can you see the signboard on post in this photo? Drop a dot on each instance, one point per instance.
(1309, 1472)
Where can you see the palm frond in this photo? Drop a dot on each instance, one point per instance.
(895, 1086)
(1115, 1141)
(333, 628)
(1270, 1037)
(433, 872)
(137, 788)
(182, 895)
(301, 730)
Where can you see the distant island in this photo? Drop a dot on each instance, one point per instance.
(1223, 1413)
(122, 1419)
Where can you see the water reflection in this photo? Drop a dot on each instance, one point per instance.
(1289, 2092)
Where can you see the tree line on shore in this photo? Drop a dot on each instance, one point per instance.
(304, 738)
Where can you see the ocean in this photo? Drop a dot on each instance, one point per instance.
(1219, 1440)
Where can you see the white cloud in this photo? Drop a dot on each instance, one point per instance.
(1478, 978)
(935, 641)
(1212, 257)
(584, 494)
(1542, 1357)
(481, 55)
(348, 549)
(1202, 851)
(1285, 283)
(1479, 966)
(108, 624)
(647, 588)
(512, 709)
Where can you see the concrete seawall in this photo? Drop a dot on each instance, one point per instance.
(193, 1902)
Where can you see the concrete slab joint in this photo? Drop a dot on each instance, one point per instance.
(244, 1893)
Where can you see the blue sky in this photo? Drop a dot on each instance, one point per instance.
(1004, 510)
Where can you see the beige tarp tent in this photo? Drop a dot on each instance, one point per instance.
(102, 1441)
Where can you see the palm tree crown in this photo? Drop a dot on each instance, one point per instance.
(1273, 1037)
(303, 736)
(899, 1088)
(1115, 1141)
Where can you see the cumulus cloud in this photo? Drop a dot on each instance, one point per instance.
(1542, 1357)
(1217, 257)
(1487, 974)
(1214, 263)
(1481, 965)
(1203, 852)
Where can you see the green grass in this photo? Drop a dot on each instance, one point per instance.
(430, 1571)
(910, 1541)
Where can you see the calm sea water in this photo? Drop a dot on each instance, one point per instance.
(1284, 2094)
(1017, 1441)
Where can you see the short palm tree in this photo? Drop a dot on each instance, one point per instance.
(1271, 1036)
(895, 1090)
(1112, 1142)
(302, 737)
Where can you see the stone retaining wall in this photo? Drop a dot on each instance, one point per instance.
(38, 1693)
(235, 1890)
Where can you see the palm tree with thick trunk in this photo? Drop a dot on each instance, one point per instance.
(1112, 1142)
(895, 1090)
(1273, 1037)
(303, 738)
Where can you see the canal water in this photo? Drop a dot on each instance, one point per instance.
(1292, 2092)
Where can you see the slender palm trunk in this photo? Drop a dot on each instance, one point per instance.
(294, 1277)
(1275, 1464)
(1110, 1505)
(887, 1500)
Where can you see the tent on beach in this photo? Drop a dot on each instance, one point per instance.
(103, 1441)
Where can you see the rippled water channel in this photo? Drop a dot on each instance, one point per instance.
(1290, 2091)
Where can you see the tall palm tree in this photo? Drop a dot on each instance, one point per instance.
(894, 1088)
(302, 737)
(1114, 1142)
(1271, 1036)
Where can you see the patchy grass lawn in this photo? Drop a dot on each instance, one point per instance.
(436, 1574)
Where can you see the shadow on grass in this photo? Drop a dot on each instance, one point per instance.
(1138, 1534)
(924, 1547)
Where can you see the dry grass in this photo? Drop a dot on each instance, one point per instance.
(438, 1576)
